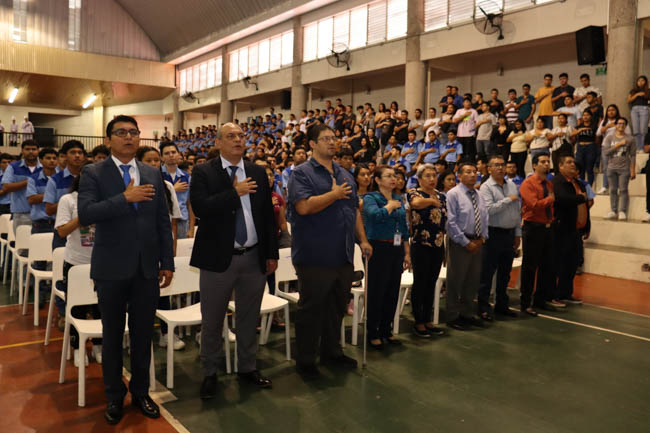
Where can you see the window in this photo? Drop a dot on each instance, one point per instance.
(376, 22)
(74, 24)
(287, 48)
(183, 84)
(188, 88)
(358, 27)
(461, 11)
(20, 21)
(196, 78)
(396, 21)
(218, 71)
(211, 73)
(516, 4)
(310, 43)
(203, 74)
(261, 57)
(325, 35)
(264, 48)
(435, 14)
(342, 29)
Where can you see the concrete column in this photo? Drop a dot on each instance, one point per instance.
(415, 75)
(177, 120)
(98, 121)
(225, 107)
(298, 90)
(622, 53)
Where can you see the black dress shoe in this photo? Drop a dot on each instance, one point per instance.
(308, 371)
(473, 321)
(486, 316)
(393, 341)
(506, 312)
(114, 411)
(146, 406)
(208, 387)
(457, 324)
(434, 330)
(254, 377)
(342, 360)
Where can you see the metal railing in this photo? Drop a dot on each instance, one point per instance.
(57, 140)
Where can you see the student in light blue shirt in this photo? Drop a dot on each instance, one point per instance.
(429, 151)
(5, 197)
(14, 181)
(410, 148)
(36, 186)
(452, 150)
(181, 181)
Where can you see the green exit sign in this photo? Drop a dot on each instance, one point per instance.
(602, 70)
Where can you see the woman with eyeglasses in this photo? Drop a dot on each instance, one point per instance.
(620, 149)
(428, 218)
(384, 219)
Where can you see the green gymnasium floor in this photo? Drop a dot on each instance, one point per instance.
(521, 375)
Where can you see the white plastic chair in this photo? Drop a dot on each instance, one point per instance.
(57, 275)
(5, 220)
(20, 262)
(11, 237)
(184, 247)
(40, 249)
(186, 280)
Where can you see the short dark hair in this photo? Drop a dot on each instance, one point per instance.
(585, 76)
(526, 85)
(47, 151)
(592, 93)
(143, 150)
(297, 149)
(28, 143)
(72, 144)
(512, 91)
(100, 150)
(494, 89)
(116, 119)
(405, 112)
(564, 75)
(495, 156)
(346, 151)
(6, 156)
(620, 118)
(480, 93)
(316, 130)
(165, 144)
(537, 155)
(465, 163)
(548, 76)
(564, 156)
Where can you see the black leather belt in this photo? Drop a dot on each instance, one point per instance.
(500, 229)
(472, 237)
(538, 225)
(240, 251)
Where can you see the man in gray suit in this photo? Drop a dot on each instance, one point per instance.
(132, 259)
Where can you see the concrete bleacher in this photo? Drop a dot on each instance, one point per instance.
(620, 248)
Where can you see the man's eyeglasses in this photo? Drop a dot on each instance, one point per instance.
(498, 164)
(124, 132)
(328, 138)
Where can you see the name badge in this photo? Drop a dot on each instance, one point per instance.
(397, 239)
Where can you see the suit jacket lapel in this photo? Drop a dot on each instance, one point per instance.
(114, 174)
(248, 173)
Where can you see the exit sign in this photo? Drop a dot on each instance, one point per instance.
(602, 70)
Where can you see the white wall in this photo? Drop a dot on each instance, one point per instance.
(192, 120)
(66, 125)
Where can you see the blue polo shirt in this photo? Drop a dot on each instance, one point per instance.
(58, 186)
(37, 185)
(17, 172)
(403, 161)
(432, 157)
(4, 198)
(325, 238)
(411, 157)
(452, 156)
(183, 197)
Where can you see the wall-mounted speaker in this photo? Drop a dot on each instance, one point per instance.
(286, 100)
(590, 45)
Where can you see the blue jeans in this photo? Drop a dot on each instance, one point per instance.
(182, 228)
(603, 164)
(639, 115)
(483, 147)
(586, 157)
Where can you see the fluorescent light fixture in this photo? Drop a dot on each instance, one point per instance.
(12, 96)
(89, 100)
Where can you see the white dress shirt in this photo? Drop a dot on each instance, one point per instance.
(245, 203)
(133, 170)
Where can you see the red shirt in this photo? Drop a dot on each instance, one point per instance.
(533, 203)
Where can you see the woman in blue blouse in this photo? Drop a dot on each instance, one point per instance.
(385, 222)
(428, 219)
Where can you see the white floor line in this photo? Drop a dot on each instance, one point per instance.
(596, 328)
(620, 311)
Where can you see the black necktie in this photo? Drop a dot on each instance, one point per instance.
(240, 223)
(547, 209)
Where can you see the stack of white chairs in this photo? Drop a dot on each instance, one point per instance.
(19, 262)
(5, 222)
(57, 275)
(11, 238)
(40, 249)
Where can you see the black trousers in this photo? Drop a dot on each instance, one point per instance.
(469, 147)
(538, 249)
(497, 257)
(519, 158)
(137, 296)
(567, 247)
(5, 208)
(384, 277)
(324, 294)
(426, 262)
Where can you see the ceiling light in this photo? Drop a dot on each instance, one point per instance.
(12, 96)
(90, 100)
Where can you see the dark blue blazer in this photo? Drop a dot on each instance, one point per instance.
(125, 238)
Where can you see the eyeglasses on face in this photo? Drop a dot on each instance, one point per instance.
(327, 138)
(124, 132)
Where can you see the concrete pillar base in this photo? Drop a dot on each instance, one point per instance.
(225, 112)
(298, 99)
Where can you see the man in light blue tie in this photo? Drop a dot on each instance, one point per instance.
(467, 226)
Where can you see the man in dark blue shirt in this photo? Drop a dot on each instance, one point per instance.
(323, 211)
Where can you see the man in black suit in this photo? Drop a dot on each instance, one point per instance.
(571, 217)
(236, 246)
(132, 259)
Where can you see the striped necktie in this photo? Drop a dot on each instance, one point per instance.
(477, 213)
